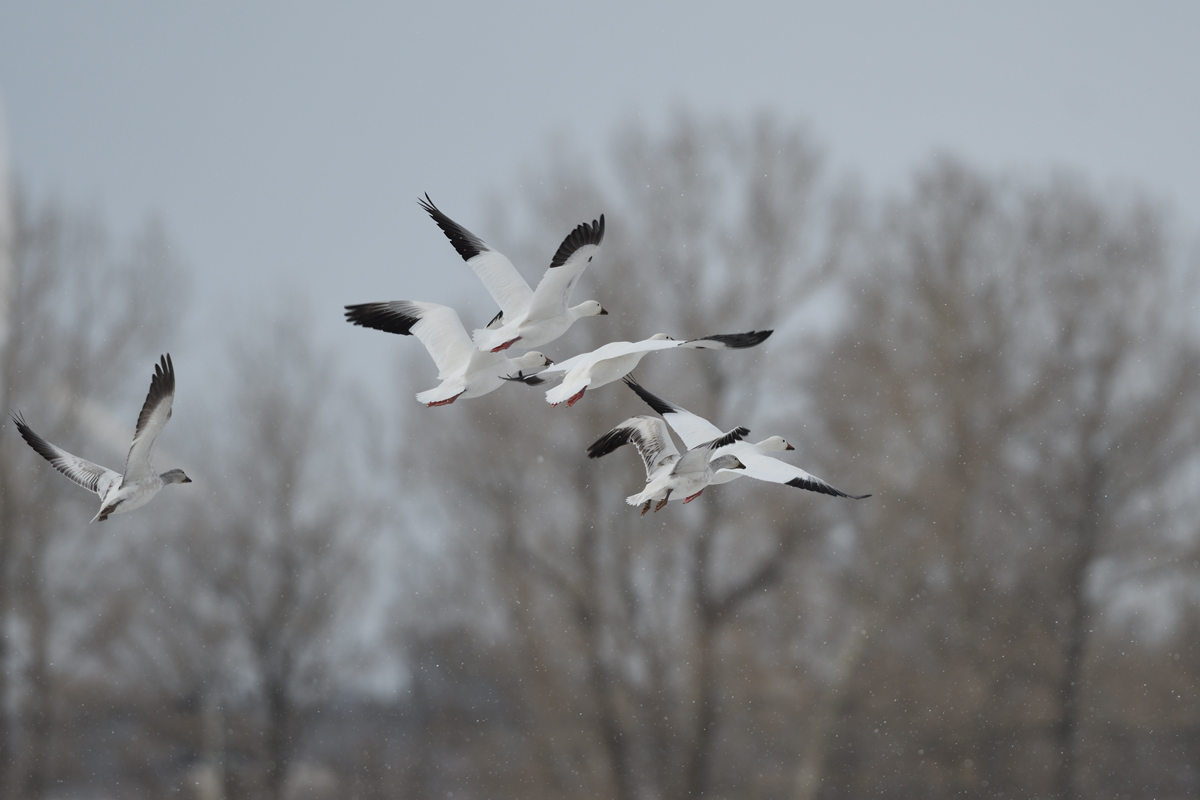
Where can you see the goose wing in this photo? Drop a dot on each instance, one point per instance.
(772, 470)
(693, 429)
(610, 350)
(499, 276)
(696, 459)
(660, 341)
(618, 349)
(648, 434)
(155, 413)
(728, 341)
(553, 292)
(92, 477)
(437, 326)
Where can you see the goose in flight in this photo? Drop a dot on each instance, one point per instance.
(694, 429)
(617, 359)
(667, 472)
(528, 317)
(463, 370)
(120, 493)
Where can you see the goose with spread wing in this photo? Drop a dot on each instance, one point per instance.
(668, 472)
(463, 370)
(615, 360)
(694, 429)
(120, 493)
(528, 317)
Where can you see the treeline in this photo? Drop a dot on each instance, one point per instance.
(1009, 364)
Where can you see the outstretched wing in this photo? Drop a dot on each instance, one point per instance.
(728, 341)
(499, 276)
(660, 341)
(728, 438)
(696, 459)
(437, 326)
(694, 430)
(92, 477)
(553, 292)
(528, 380)
(155, 413)
(612, 350)
(648, 434)
(772, 470)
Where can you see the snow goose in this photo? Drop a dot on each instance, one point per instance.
(463, 370)
(617, 359)
(694, 429)
(530, 317)
(120, 493)
(667, 472)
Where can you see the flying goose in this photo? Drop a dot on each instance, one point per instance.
(694, 429)
(667, 472)
(528, 317)
(617, 359)
(120, 493)
(463, 370)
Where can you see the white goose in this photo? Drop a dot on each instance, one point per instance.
(694, 429)
(667, 472)
(463, 370)
(120, 493)
(615, 360)
(528, 317)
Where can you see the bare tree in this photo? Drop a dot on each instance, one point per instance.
(284, 538)
(1007, 364)
(995, 343)
(80, 323)
(1125, 366)
(1009, 350)
(712, 227)
(224, 628)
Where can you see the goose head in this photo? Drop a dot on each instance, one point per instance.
(726, 462)
(174, 476)
(774, 444)
(589, 309)
(532, 360)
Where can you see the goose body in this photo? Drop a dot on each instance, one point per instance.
(120, 493)
(528, 317)
(615, 360)
(667, 472)
(694, 429)
(464, 371)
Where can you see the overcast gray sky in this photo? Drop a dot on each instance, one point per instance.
(287, 142)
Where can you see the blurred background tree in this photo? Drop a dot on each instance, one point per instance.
(621, 624)
(415, 602)
(1008, 363)
(1016, 374)
(81, 323)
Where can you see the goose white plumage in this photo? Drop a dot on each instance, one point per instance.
(668, 472)
(463, 370)
(615, 360)
(528, 318)
(694, 429)
(120, 493)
